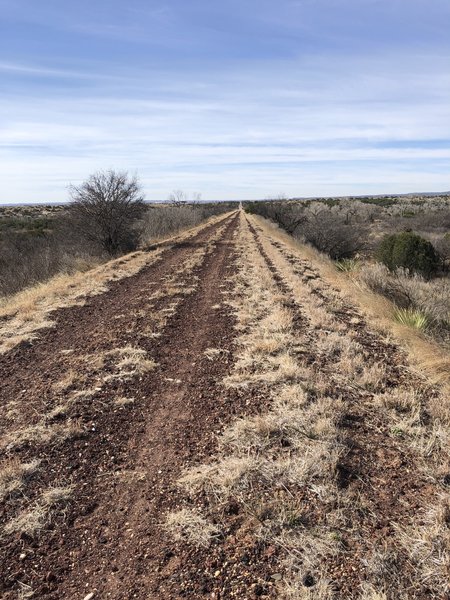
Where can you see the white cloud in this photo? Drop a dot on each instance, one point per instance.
(309, 126)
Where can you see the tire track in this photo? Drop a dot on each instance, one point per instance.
(379, 495)
(104, 458)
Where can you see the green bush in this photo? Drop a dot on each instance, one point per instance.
(409, 251)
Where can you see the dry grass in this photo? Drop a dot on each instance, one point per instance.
(131, 475)
(428, 546)
(25, 591)
(128, 362)
(14, 475)
(296, 446)
(429, 357)
(290, 424)
(401, 400)
(234, 474)
(410, 417)
(70, 380)
(102, 367)
(122, 401)
(40, 433)
(189, 525)
(349, 358)
(420, 424)
(296, 590)
(293, 445)
(58, 412)
(34, 519)
(214, 353)
(370, 593)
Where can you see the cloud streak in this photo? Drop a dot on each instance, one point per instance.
(276, 114)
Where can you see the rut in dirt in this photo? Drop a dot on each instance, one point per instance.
(124, 462)
(376, 468)
(115, 318)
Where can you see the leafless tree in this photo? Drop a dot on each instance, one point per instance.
(330, 232)
(105, 209)
(177, 197)
(289, 216)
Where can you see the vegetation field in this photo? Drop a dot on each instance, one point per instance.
(398, 247)
(227, 412)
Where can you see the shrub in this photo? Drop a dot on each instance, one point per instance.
(331, 226)
(412, 317)
(27, 259)
(409, 251)
(379, 279)
(442, 246)
(167, 219)
(331, 234)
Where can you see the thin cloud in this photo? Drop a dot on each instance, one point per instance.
(233, 100)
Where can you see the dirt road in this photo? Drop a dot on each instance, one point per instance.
(105, 412)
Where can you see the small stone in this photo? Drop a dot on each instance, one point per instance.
(23, 556)
(89, 596)
(277, 576)
(217, 573)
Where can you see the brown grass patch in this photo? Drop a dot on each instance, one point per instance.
(13, 476)
(215, 353)
(428, 546)
(189, 525)
(428, 357)
(34, 519)
(40, 433)
(128, 362)
(122, 401)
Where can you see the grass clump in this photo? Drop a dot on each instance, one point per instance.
(412, 317)
(35, 519)
(13, 476)
(347, 265)
(189, 525)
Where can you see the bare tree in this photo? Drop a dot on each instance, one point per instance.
(105, 209)
(290, 216)
(328, 230)
(177, 197)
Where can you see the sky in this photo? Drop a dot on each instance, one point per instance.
(237, 99)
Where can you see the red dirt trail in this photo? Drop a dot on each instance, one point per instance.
(124, 464)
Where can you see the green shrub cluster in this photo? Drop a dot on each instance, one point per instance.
(410, 251)
(24, 225)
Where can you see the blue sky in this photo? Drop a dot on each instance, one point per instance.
(233, 99)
